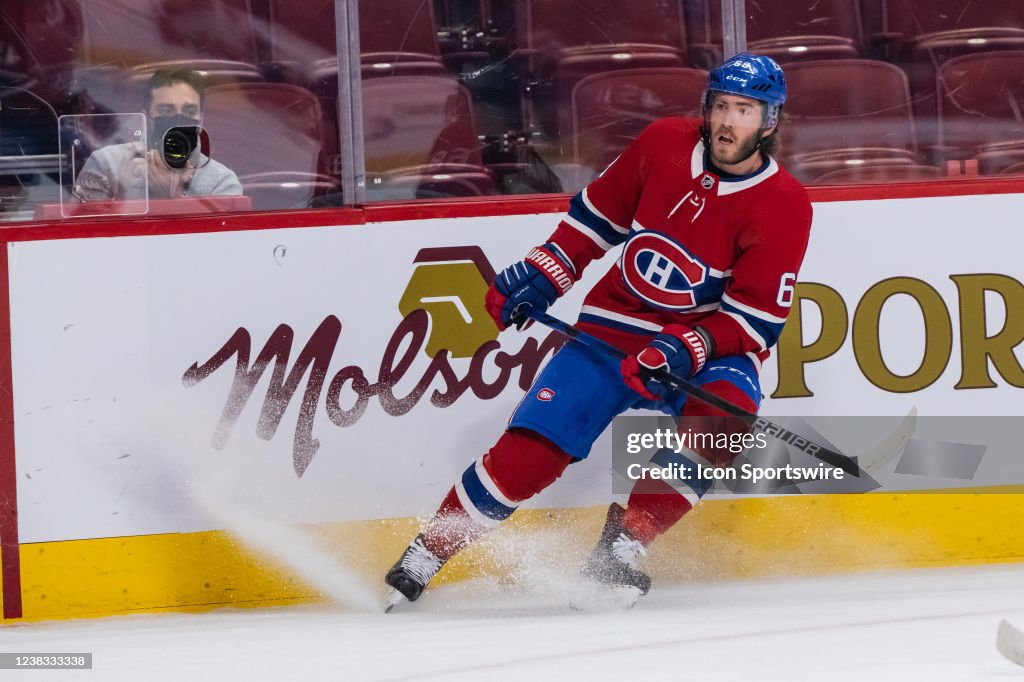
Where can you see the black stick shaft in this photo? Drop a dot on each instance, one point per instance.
(836, 459)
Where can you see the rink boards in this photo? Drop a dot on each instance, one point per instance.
(285, 381)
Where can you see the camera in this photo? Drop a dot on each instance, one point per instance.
(177, 138)
(179, 144)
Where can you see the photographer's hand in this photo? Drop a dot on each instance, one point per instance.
(164, 181)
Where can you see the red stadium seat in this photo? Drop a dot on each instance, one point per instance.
(572, 39)
(995, 158)
(880, 174)
(846, 109)
(797, 31)
(1015, 169)
(128, 33)
(127, 40)
(36, 37)
(906, 24)
(287, 190)
(610, 109)
(259, 128)
(400, 34)
(922, 35)
(980, 98)
(419, 133)
(30, 164)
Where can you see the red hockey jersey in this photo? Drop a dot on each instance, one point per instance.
(698, 248)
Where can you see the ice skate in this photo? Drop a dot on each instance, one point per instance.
(411, 573)
(613, 562)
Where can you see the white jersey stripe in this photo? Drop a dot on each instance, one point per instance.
(748, 329)
(726, 188)
(743, 307)
(757, 362)
(491, 486)
(586, 231)
(602, 216)
(697, 160)
(564, 256)
(475, 514)
(619, 317)
(687, 492)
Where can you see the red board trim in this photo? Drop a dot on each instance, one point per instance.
(10, 566)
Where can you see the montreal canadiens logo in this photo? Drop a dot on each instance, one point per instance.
(545, 394)
(660, 271)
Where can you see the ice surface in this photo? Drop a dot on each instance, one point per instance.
(937, 624)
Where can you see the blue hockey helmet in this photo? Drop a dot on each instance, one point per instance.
(750, 75)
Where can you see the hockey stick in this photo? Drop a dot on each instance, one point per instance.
(1010, 643)
(836, 459)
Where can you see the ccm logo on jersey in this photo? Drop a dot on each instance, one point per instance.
(545, 394)
(660, 271)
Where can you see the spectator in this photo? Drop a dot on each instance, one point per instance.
(118, 171)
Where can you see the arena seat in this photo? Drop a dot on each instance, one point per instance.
(127, 40)
(419, 132)
(30, 164)
(907, 23)
(846, 109)
(286, 190)
(266, 128)
(610, 109)
(1015, 169)
(38, 38)
(396, 37)
(797, 31)
(980, 103)
(572, 39)
(921, 35)
(129, 33)
(996, 157)
(879, 174)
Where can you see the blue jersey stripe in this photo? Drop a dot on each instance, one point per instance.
(769, 331)
(621, 326)
(481, 498)
(578, 210)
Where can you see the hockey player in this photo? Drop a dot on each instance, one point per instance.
(712, 232)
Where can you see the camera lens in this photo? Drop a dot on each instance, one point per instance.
(179, 143)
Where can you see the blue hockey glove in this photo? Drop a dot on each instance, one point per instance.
(678, 348)
(535, 282)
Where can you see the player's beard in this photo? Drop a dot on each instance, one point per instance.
(743, 149)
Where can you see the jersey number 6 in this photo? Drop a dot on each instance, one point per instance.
(787, 283)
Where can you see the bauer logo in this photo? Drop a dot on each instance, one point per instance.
(545, 395)
(449, 284)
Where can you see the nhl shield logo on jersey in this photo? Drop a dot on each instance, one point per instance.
(545, 395)
(707, 182)
(660, 271)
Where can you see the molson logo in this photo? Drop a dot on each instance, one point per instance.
(983, 301)
(443, 315)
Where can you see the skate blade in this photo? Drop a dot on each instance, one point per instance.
(599, 598)
(393, 599)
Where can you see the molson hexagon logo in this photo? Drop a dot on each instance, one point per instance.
(449, 284)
